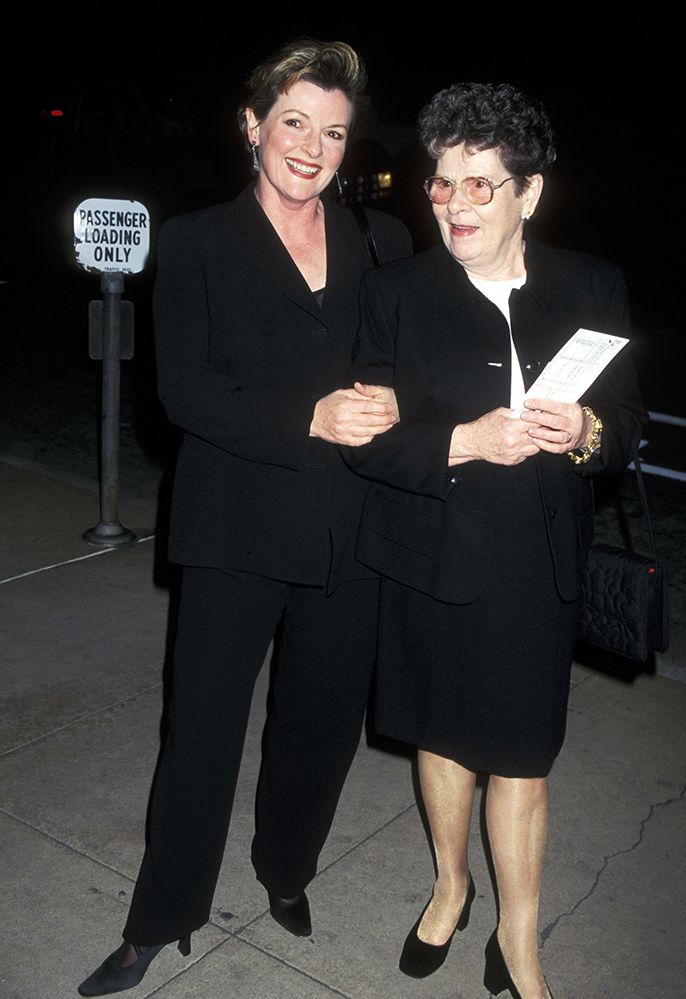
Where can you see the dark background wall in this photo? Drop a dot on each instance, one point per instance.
(149, 103)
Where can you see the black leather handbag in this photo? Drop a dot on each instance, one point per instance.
(624, 602)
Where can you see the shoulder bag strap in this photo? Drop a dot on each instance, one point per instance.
(644, 501)
(363, 225)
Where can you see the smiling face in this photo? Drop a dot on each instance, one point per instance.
(300, 143)
(485, 239)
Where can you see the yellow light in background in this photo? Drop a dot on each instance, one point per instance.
(385, 180)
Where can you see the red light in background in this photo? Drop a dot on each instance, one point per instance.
(56, 113)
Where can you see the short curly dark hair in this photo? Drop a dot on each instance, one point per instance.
(330, 65)
(490, 116)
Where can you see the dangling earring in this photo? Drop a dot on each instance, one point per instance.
(255, 160)
(340, 186)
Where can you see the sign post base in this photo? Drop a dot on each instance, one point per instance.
(109, 535)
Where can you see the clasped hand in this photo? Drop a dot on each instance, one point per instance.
(556, 427)
(507, 439)
(356, 415)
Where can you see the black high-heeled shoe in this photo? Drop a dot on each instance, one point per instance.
(419, 959)
(497, 975)
(112, 976)
(292, 913)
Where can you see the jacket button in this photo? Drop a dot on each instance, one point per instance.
(552, 513)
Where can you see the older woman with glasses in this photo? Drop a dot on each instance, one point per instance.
(480, 513)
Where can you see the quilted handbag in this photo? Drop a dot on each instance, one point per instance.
(624, 600)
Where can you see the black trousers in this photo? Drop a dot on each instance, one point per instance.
(325, 657)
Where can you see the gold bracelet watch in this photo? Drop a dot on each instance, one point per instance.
(582, 454)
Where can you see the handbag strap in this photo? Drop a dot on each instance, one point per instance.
(644, 501)
(363, 225)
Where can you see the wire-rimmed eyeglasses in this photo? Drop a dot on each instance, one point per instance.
(477, 190)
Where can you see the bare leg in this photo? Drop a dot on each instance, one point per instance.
(448, 793)
(517, 817)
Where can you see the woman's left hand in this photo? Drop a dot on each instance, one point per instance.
(381, 393)
(556, 427)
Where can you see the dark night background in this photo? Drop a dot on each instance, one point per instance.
(149, 113)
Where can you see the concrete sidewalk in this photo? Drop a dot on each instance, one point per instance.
(82, 655)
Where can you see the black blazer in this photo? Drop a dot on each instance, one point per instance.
(445, 348)
(243, 353)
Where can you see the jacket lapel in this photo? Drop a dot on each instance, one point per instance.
(344, 261)
(263, 249)
(530, 316)
(452, 288)
(455, 298)
(469, 369)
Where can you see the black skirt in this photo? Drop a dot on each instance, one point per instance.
(485, 684)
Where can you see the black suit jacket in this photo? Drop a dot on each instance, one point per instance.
(445, 348)
(243, 353)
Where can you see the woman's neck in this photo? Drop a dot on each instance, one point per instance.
(289, 218)
(507, 268)
(300, 227)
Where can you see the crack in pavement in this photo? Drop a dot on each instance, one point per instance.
(546, 932)
(583, 679)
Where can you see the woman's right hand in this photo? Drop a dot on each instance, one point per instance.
(497, 437)
(347, 416)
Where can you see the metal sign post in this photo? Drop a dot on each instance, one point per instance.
(110, 238)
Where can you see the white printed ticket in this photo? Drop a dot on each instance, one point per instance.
(576, 366)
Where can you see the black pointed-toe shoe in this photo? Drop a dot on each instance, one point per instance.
(419, 959)
(292, 913)
(497, 975)
(114, 976)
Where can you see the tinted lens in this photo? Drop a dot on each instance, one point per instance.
(439, 189)
(478, 190)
